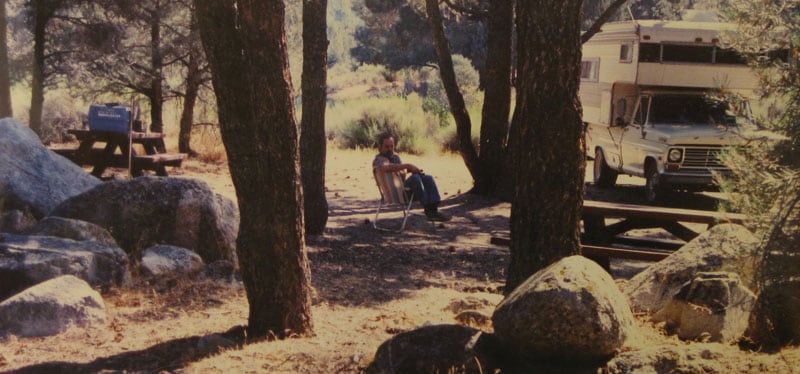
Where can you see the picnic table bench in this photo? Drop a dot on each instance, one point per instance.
(154, 159)
(602, 242)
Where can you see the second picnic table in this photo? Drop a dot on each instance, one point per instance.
(601, 241)
(155, 158)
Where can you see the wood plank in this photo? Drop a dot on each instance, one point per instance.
(628, 253)
(596, 251)
(608, 209)
(168, 159)
(82, 134)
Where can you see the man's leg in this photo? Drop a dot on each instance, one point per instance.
(425, 189)
(414, 182)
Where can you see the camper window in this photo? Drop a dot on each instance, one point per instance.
(728, 56)
(626, 52)
(687, 53)
(649, 52)
(589, 69)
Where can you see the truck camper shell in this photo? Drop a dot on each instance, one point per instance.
(654, 53)
(637, 79)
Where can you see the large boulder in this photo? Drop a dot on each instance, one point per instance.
(71, 229)
(726, 247)
(28, 260)
(51, 307)
(146, 211)
(436, 349)
(713, 307)
(572, 310)
(35, 178)
(170, 260)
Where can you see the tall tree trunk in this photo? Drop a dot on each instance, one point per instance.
(457, 106)
(156, 67)
(5, 81)
(41, 17)
(312, 126)
(245, 44)
(194, 79)
(193, 82)
(494, 173)
(546, 138)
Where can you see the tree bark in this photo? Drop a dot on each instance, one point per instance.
(245, 44)
(42, 13)
(546, 138)
(312, 127)
(493, 171)
(157, 78)
(194, 79)
(457, 106)
(5, 80)
(193, 82)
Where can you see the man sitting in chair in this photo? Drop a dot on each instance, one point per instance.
(422, 185)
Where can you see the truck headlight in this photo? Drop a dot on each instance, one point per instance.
(675, 155)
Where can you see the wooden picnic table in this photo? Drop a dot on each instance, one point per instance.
(119, 152)
(601, 242)
(643, 216)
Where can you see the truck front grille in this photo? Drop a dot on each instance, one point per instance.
(702, 157)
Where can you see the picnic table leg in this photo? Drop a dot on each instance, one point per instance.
(100, 163)
(161, 171)
(594, 227)
(676, 228)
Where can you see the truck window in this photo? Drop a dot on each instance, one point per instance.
(689, 110)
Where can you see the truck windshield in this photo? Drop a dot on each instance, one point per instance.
(690, 110)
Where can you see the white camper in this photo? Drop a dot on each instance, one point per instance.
(645, 93)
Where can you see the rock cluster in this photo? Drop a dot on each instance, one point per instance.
(572, 317)
(64, 233)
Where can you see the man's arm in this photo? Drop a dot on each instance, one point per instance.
(383, 164)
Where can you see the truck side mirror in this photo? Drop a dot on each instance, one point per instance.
(619, 121)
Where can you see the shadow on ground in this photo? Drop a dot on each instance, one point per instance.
(164, 357)
(354, 264)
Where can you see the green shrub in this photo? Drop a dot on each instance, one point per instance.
(450, 138)
(61, 113)
(415, 131)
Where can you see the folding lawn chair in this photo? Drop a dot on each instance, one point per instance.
(393, 192)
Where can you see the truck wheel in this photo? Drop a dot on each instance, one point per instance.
(604, 176)
(653, 190)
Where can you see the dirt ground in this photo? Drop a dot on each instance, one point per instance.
(368, 286)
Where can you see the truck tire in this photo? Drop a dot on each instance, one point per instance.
(654, 191)
(604, 176)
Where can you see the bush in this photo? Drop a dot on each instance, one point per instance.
(450, 138)
(415, 131)
(59, 114)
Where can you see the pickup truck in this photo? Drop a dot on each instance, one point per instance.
(672, 138)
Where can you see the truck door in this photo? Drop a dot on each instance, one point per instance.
(633, 144)
(622, 114)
